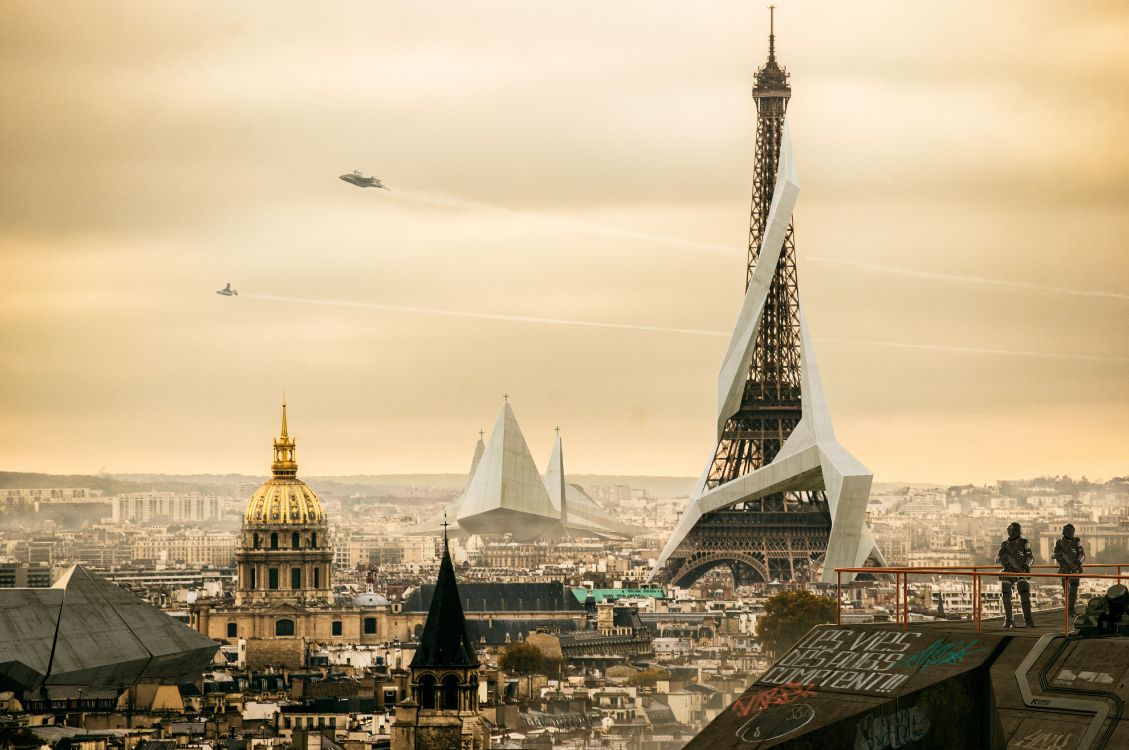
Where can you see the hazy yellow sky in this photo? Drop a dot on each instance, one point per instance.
(965, 186)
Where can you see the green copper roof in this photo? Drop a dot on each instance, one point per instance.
(599, 595)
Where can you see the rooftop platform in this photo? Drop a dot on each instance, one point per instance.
(935, 685)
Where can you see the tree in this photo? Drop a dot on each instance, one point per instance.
(788, 615)
(16, 736)
(524, 658)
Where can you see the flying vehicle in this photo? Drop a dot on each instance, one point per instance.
(227, 291)
(356, 178)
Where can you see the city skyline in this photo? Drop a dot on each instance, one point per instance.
(551, 172)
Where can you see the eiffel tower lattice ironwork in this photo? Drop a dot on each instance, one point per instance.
(776, 535)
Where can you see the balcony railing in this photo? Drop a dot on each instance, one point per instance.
(976, 573)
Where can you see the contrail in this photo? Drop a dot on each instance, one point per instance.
(976, 350)
(665, 329)
(713, 248)
(485, 316)
(589, 227)
(1014, 286)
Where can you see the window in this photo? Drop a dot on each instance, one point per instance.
(255, 539)
(252, 579)
(286, 722)
(427, 691)
(272, 579)
(284, 627)
(294, 541)
(317, 578)
(370, 625)
(337, 627)
(274, 540)
(314, 539)
(295, 578)
(232, 630)
(451, 692)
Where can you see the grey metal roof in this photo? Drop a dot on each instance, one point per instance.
(87, 631)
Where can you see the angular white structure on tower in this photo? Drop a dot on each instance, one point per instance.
(810, 459)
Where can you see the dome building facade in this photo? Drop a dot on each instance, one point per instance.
(285, 554)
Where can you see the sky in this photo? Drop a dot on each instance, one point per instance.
(961, 231)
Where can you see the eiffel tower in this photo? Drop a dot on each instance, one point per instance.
(733, 519)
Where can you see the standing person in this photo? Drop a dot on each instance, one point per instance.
(1069, 555)
(1016, 557)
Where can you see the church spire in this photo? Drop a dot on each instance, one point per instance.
(445, 641)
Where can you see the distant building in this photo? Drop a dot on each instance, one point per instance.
(14, 498)
(20, 576)
(168, 507)
(512, 555)
(189, 547)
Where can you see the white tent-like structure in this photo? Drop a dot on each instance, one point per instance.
(581, 516)
(506, 494)
(450, 512)
(811, 458)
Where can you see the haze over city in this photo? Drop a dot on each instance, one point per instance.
(960, 231)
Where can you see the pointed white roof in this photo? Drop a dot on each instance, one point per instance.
(582, 515)
(554, 475)
(450, 511)
(479, 449)
(506, 478)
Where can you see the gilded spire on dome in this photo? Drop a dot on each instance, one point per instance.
(284, 498)
(284, 435)
(285, 464)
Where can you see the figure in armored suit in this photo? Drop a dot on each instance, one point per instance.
(1016, 557)
(1069, 555)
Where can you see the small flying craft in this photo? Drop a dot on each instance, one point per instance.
(356, 178)
(227, 291)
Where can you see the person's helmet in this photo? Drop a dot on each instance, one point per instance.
(1068, 531)
(1014, 530)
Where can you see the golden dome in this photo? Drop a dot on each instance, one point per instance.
(284, 499)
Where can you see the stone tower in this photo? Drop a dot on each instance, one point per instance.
(442, 712)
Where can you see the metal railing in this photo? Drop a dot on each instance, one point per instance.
(977, 573)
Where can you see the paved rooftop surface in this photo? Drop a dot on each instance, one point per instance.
(935, 685)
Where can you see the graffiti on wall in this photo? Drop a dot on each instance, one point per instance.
(1042, 740)
(863, 661)
(941, 651)
(774, 696)
(775, 721)
(892, 730)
